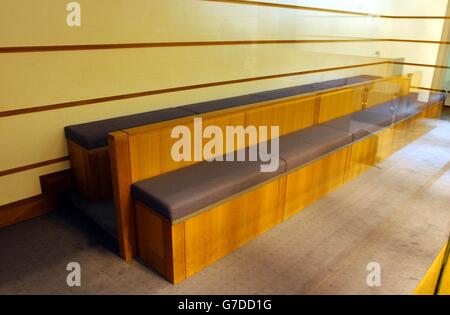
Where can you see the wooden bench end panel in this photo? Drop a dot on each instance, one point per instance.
(339, 103)
(161, 244)
(309, 183)
(290, 115)
(91, 171)
(362, 156)
(218, 231)
(121, 182)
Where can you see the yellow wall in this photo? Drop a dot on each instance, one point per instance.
(43, 78)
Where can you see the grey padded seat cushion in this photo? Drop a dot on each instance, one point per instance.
(182, 192)
(359, 129)
(287, 92)
(361, 79)
(346, 81)
(231, 102)
(314, 87)
(435, 97)
(177, 194)
(209, 106)
(95, 134)
(306, 145)
(400, 108)
(373, 118)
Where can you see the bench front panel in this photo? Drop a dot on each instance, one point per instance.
(340, 103)
(289, 115)
(224, 228)
(311, 182)
(151, 150)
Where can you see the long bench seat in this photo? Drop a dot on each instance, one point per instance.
(94, 134)
(361, 124)
(206, 210)
(87, 143)
(143, 152)
(181, 193)
(178, 194)
(315, 87)
(301, 147)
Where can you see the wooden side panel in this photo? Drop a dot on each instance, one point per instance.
(362, 156)
(177, 253)
(330, 172)
(281, 199)
(383, 91)
(340, 103)
(401, 137)
(79, 166)
(309, 183)
(222, 229)
(100, 187)
(121, 181)
(161, 244)
(359, 95)
(300, 192)
(409, 130)
(384, 144)
(150, 151)
(405, 85)
(289, 115)
(91, 171)
(150, 237)
(26, 209)
(434, 111)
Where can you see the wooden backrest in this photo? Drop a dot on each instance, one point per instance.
(387, 89)
(144, 152)
(339, 103)
(150, 146)
(290, 115)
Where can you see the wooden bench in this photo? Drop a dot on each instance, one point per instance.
(178, 243)
(87, 143)
(143, 153)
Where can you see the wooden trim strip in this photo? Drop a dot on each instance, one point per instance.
(26, 209)
(174, 89)
(32, 166)
(428, 89)
(419, 65)
(25, 49)
(420, 41)
(121, 180)
(305, 8)
(54, 48)
(43, 108)
(290, 6)
(112, 98)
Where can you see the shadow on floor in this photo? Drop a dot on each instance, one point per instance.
(26, 251)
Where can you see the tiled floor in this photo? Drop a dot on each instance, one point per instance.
(396, 214)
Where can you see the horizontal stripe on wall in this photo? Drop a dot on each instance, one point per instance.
(50, 48)
(305, 8)
(41, 108)
(32, 166)
(23, 49)
(428, 89)
(177, 89)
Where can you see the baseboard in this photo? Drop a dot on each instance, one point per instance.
(52, 186)
(26, 209)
